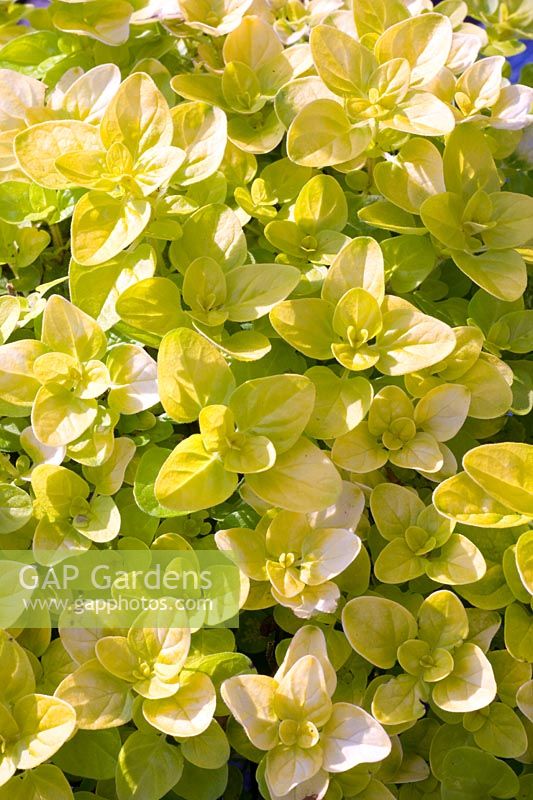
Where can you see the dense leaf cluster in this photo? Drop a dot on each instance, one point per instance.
(265, 292)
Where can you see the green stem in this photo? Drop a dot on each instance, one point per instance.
(57, 236)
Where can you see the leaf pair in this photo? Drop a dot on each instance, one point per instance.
(437, 663)
(458, 199)
(493, 491)
(409, 437)
(253, 430)
(353, 311)
(255, 67)
(34, 726)
(68, 520)
(292, 717)
(379, 91)
(123, 161)
(420, 541)
(297, 560)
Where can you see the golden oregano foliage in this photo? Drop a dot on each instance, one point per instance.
(265, 294)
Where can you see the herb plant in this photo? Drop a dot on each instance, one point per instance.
(265, 294)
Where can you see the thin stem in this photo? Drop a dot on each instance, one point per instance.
(57, 236)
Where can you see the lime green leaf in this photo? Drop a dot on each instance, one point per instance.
(458, 562)
(18, 385)
(188, 712)
(422, 114)
(192, 479)
(100, 700)
(502, 734)
(197, 783)
(208, 750)
(253, 290)
(359, 451)
(277, 407)
(358, 265)
(340, 403)
(307, 325)
(302, 479)
(322, 136)
(152, 305)
(45, 723)
(443, 410)
(133, 375)
(374, 18)
(524, 559)
(250, 699)
(201, 131)
(410, 341)
(501, 273)
(214, 232)
(102, 226)
(68, 330)
(469, 772)
(147, 767)
(192, 374)
(138, 116)
(46, 782)
(88, 96)
(424, 41)
(394, 509)
(462, 499)
(106, 24)
(391, 218)
(468, 162)
(9, 316)
(414, 175)
(343, 63)
(90, 754)
(524, 699)
(442, 620)
(397, 563)
(505, 472)
(518, 629)
(38, 147)
(96, 289)
(398, 701)
(59, 418)
(376, 627)
(147, 471)
(470, 686)
(321, 205)
(15, 508)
